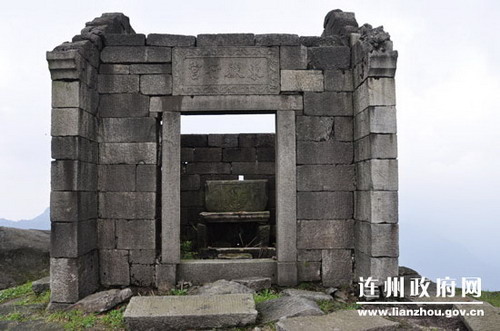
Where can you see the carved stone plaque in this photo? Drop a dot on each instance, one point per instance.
(225, 70)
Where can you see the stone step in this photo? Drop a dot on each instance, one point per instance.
(190, 312)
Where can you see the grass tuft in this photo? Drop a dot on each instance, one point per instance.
(265, 295)
(328, 306)
(73, 319)
(15, 292)
(114, 319)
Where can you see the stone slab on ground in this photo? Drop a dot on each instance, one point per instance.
(41, 285)
(255, 283)
(190, 312)
(38, 325)
(489, 322)
(103, 301)
(311, 295)
(222, 286)
(345, 320)
(288, 306)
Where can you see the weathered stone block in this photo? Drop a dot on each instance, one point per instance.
(326, 178)
(135, 54)
(253, 168)
(378, 175)
(308, 271)
(135, 234)
(156, 84)
(114, 69)
(337, 267)
(127, 205)
(266, 154)
(170, 40)
(376, 146)
(73, 122)
(293, 57)
(166, 276)
(116, 178)
(148, 69)
(324, 205)
(324, 152)
(106, 235)
(376, 206)
(111, 39)
(249, 70)
(376, 64)
(257, 140)
(73, 176)
(190, 182)
(302, 80)
(315, 128)
(128, 130)
(68, 94)
(207, 154)
(239, 154)
(328, 103)
(114, 267)
(226, 39)
(343, 128)
(223, 140)
(72, 206)
(142, 256)
(129, 153)
(118, 83)
(377, 240)
(71, 240)
(339, 80)
(74, 148)
(124, 105)
(317, 41)
(142, 275)
(325, 234)
(187, 155)
(375, 120)
(329, 57)
(277, 39)
(147, 178)
(311, 255)
(192, 199)
(374, 92)
(379, 268)
(208, 168)
(194, 140)
(337, 21)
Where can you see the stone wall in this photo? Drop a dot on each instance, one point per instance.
(222, 156)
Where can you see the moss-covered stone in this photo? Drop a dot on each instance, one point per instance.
(235, 195)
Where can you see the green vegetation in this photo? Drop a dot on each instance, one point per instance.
(13, 317)
(330, 306)
(32, 298)
(265, 295)
(175, 291)
(490, 297)
(73, 319)
(114, 318)
(187, 252)
(15, 292)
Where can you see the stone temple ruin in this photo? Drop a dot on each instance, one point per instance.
(318, 199)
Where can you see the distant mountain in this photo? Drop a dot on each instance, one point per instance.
(41, 222)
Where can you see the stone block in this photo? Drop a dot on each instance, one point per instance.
(223, 140)
(343, 128)
(147, 178)
(73, 176)
(72, 206)
(71, 240)
(170, 40)
(118, 83)
(128, 153)
(379, 268)
(287, 273)
(187, 155)
(166, 276)
(106, 234)
(127, 205)
(194, 140)
(68, 94)
(266, 154)
(137, 39)
(73, 122)
(325, 234)
(116, 178)
(135, 234)
(208, 168)
(326, 178)
(324, 152)
(74, 148)
(149, 69)
(226, 39)
(156, 84)
(377, 240)
(142, 275)
(376, 206)
(134, 54)
(338, 80)
(309, 271)
(285, 307)
(376, 64)
(207, 154)
(128, 130)
(114, 69)
(142, 256)
(293, 57)
(302, 80)
(337, 267)
(374, 92)
(253, 168)
(317, 41)
(376, 146)
(124, 105)
(114, 267)
(257, 140)
(239, 155)
(375, 120)
(328, 104)
(193, 199)
(309, 255)
(329, 57)
(315, 128)
(277, 39)
(378, 175)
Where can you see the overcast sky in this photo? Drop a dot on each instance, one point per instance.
(448, 89)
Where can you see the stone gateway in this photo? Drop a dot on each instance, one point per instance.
(128, 199)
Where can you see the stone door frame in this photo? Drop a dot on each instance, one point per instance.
(284, 270)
